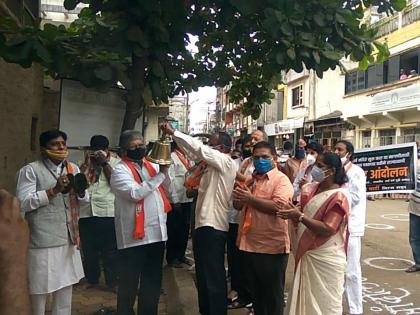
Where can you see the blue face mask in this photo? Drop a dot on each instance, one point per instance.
(263, 166)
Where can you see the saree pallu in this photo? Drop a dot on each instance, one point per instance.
(318, 284)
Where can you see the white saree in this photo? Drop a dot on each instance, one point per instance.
(318, 284)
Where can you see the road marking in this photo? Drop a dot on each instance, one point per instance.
(396, 216)
(392, 300)
(372, 263)
(378, 226)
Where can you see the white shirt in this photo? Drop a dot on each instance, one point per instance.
(414, 205)
(233, 214)
(127, 192)
(300, 175)
(101, 197)
(29, 198)
(250, 168)
(216, 185)
(357, 189)
(53, 268)
(176, 173)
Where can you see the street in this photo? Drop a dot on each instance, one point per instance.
(386, 253)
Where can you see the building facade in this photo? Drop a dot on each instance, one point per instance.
(383, 102)
(27, 108)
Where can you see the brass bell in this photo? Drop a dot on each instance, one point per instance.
(161, 152)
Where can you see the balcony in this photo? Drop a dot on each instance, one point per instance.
(390, 24)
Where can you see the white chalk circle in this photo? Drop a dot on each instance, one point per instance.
(389, 263)
(376, 309)
(378, 226)
(396, 216)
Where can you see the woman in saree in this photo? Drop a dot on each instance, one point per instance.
(320, 255)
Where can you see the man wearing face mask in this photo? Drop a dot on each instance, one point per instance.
(97, 218)
(141, 207)
(295, 164)
(211, 216)
(304, 176)
(262, 238)
(51, 209)
(247, 167)
(357, 188)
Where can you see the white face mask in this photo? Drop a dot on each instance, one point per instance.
(318, 174)
(310, 159)
(343, 160)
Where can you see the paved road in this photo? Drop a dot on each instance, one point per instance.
(386, 253)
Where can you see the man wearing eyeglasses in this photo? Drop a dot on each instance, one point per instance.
(262, 238)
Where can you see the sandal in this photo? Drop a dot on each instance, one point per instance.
(413, 268)
(236, 304)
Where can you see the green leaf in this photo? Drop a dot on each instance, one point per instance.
(316, 56)
(286, 29)
(364, 63)
(16, 40)
(104, 73)
(42, 52)
(280, 58)
(70, 4)
(319, 19)
(291, 53)
(398, 4)
(333, 55)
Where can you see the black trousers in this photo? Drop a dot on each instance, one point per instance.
(178, 224)
(99, 245)
(266, 275)
(236, 265)
(141, 264)
(209, 254)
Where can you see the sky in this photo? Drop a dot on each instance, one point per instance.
(199, 102)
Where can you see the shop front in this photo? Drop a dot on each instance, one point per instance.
(284, 130)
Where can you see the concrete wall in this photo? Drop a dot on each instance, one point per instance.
(329, 93)
(22, 100)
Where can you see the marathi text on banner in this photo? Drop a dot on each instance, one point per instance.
(389, 169)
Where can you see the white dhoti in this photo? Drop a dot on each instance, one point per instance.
(53, 270)
(353, 286)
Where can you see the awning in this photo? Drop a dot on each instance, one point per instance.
(332, 115)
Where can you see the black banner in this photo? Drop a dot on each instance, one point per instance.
(389, 169)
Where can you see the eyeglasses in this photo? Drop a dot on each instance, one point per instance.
(263, 157)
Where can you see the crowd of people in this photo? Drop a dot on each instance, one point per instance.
(119, 213)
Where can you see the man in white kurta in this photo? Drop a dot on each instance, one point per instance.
(211, 217)
(357, 188)
(54, 262)
(140, 258)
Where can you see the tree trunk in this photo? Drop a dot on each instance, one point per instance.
(135, 103)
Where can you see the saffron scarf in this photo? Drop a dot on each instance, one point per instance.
(73, 207)
(138, 232)
(183, 160)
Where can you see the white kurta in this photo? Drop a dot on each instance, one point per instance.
(49, 269)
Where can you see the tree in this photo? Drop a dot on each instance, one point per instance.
(247, 43)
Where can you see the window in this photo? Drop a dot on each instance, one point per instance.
(297, 96)
(410, 134)
(409, 63)
(386, 137)
(366, 139)
(388, 72)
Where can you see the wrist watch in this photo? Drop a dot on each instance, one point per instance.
(301, 217)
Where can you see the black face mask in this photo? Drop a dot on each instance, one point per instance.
(136, 154)
(246, 153)
(234, 157)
